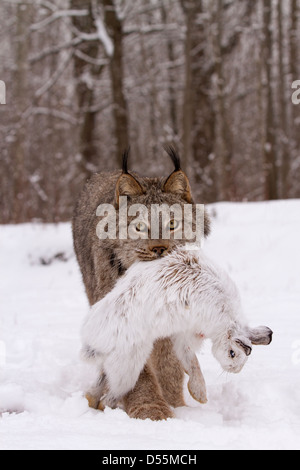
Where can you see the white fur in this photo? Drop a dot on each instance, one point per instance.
(184, 296)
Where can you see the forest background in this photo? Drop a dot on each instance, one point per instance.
(87, 78)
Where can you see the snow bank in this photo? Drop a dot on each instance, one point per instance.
(42, 380)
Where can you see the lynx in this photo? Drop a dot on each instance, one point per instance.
(104, 261)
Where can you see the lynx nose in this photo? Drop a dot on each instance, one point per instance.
(159, 250)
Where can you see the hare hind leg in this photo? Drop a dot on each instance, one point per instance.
(188, 358)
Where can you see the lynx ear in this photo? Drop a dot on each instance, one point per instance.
(177, 183)
(127, 185)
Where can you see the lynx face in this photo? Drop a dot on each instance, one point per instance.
(152, 233)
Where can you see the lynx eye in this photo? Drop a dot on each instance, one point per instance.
(173, 224)
(141, 227)
(232, 354)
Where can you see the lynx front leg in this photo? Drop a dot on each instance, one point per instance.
(123, 367)
(196, 383)
(146, 400)
(131, 373)
(169, 371)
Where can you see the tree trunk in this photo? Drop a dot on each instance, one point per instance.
(120, 109)
(294, 75)
(270, 154)
(85, 93)
(283, 116)
(21, 90)
(223, 133)
(198, 113)
(172, 77)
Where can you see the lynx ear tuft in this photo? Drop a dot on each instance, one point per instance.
(177, 183)
(125, 157)
(127, 185)
(173, 154)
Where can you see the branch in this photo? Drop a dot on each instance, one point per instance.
(90, 60)
(56, 16)
(55, 77)
(149, 29)
(43, 3)
(103, 35)
(236, 35)
(34, 180)
(50, 112)
(55, 50)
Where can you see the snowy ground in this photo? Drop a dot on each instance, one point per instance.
(42, 307)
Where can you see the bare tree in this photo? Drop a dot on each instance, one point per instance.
(198, 114)
(270, 154)
(21, 93)
(115, 52)
(224, 150)
(293, 75)
(87, 68)
(283, 140)
(172, 73)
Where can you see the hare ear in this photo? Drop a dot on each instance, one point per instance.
(260, 336)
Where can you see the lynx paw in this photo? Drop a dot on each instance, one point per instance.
(155, 412)
(94, 402)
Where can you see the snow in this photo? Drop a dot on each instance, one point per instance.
(43, 304)
(104, 36)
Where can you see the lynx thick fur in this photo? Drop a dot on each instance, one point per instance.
(184, 296)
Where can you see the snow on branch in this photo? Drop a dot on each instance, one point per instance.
(35, 181)
(104, 36)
